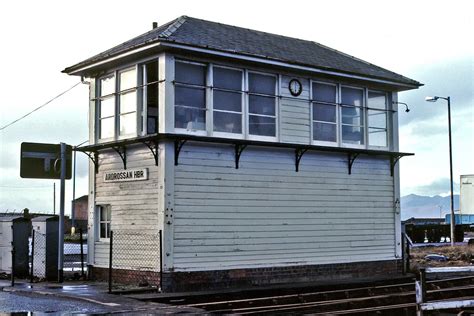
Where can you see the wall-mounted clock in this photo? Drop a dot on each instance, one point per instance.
(295, 87)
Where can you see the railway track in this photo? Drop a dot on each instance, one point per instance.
(393, 299)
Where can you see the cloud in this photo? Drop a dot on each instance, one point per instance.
(438, 187)
(452, 78)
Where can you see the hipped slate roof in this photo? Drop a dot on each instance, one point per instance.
(240, 41)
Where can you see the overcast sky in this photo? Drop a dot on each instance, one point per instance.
(429, 41)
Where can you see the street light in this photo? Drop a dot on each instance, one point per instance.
(434, 99)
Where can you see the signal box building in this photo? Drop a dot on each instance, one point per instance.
(263, 159)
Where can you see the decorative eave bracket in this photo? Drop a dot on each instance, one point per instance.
(299, 152)
(94, 157)
(153, 146)
(122, 151)
(351, 157)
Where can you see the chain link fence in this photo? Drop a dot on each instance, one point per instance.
(135, 260)
(38, 256)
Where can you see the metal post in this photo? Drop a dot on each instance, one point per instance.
(407, 268)
(13, 265)
(73, 211)
(161, 261)
(110, 260)
(61, 214)
(82, 252)
(451, 173)
(54, 198)
(32, 255)
(423, 284)
(404, 258)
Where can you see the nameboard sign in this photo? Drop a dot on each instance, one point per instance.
(126, 175)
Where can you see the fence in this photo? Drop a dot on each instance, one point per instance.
(134, 260)
(421, 297)
(43, 256)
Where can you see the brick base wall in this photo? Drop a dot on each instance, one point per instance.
(224, 279)
(123, 276)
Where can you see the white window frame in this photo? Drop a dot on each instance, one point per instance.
(142, 96)
(363, 108)
(277, 109)
(338, 117)
(99, 221)
(388, 114)
(99, 97)
(137, 103)
(242, 134)
(206, 101)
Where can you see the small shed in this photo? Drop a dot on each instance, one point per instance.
(14, 234)
(45, 254)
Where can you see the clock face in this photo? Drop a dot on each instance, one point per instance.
(295, 87)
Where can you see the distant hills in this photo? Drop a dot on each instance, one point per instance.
(413, 205)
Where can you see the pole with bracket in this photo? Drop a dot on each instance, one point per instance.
(61, 213)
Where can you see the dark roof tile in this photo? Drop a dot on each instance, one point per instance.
(216, 36)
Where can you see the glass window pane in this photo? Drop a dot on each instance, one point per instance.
(377, 137)
(229, 101)
(128, 124)
(261, 105)
(107, 107)
(151, 71)
(324, 132)
(103, 214)
(352, 116)
(107, 127)
(324, 92)
(107, 225)
(190, 96)
(324, 112)
(107, 85)
(352, 96)
(227, 122)
(190, 73)
(377, 100)
(109, 213)
(352, 134)
(261, 125)
(264, 84)
(227, 78)
(377, 119)
(103, 233)
(128, 102)
(190, 118)
(128, 79)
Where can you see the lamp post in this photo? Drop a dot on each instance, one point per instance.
(434, 99)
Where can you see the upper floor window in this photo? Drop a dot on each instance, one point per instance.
(227, 100)
(127, 91)
(190, 96)
(150, 96)
(262, 104)
(352, 115)
(127, 102)
(106, 107)
(324, 107)
(377, 118)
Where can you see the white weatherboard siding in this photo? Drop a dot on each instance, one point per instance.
(266, 214)
(134, 204)
(294, 113)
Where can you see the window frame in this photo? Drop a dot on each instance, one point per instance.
(143, 94)
(243, 112)
(206, 88)
(137, 102)
(363, 115)
(99, 222)
(277, 107)
(98, 106)
(388, 113)
(338, 116)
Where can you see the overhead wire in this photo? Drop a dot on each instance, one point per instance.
(39, 107)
